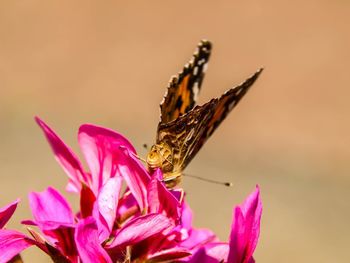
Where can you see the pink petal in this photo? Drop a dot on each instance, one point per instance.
(135, 175)
(11, 244)
(127, 207)
(169, 255)
(50, 206)
(105, 209)
(108, 200)
(65, 156)
(139, 229)
(6, 213)
(53, 215)
(53, 252)
(160, 200)
(87, 242)
(61, 235)
(62, 238)
(245, 229)
(98, 146)
(197, 238)
(186, 216)
(210, 253)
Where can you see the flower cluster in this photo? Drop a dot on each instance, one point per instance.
(126, 214)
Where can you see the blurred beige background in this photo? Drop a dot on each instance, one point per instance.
(108, 63)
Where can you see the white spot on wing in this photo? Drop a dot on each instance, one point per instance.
(195, 71)
(205, 67)
(195, 91)
(202, 61)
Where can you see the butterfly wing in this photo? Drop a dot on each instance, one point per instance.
(183, 89)
(187, 134)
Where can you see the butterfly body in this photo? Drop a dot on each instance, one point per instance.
(184, 127)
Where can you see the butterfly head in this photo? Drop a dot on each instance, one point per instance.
(160, 156)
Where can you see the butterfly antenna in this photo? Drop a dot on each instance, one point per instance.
(228, 184)
(145, 146)
(140, 158)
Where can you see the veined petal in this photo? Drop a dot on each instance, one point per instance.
(168, 255)
(6, 213)
(161, 200)
(127, 208)
(105, 209)
(135, 176)
(53, 215)
(210, 253)
(50, 206)
(87, 242)
(245, 229)
(98, 146)
(12, 243)
(139, 229)
(198, 237)
(65, 156)
(108, 200)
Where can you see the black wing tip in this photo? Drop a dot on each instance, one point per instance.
(202, 53)
(254, 77)
(205, 45)
(257, 73)
(246, 84)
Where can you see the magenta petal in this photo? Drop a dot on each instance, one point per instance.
(98, 146)
(12, 243)
(46, 207)
(245, 229)
(186, 216)
(161, 200)
(50, 206)
(169, 255)
(108, 200)
(87, 242)
(6, 213)
(105, 209)
(197, 238)
(135, 175)
(210, 253)
(127, 205)
(141, 228)
(65, 156)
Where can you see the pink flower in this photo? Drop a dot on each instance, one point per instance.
(144, 222)
(67, 238)
(11, 242)
(243, 238)
(108, 223)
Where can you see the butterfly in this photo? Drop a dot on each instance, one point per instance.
(184, 127)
